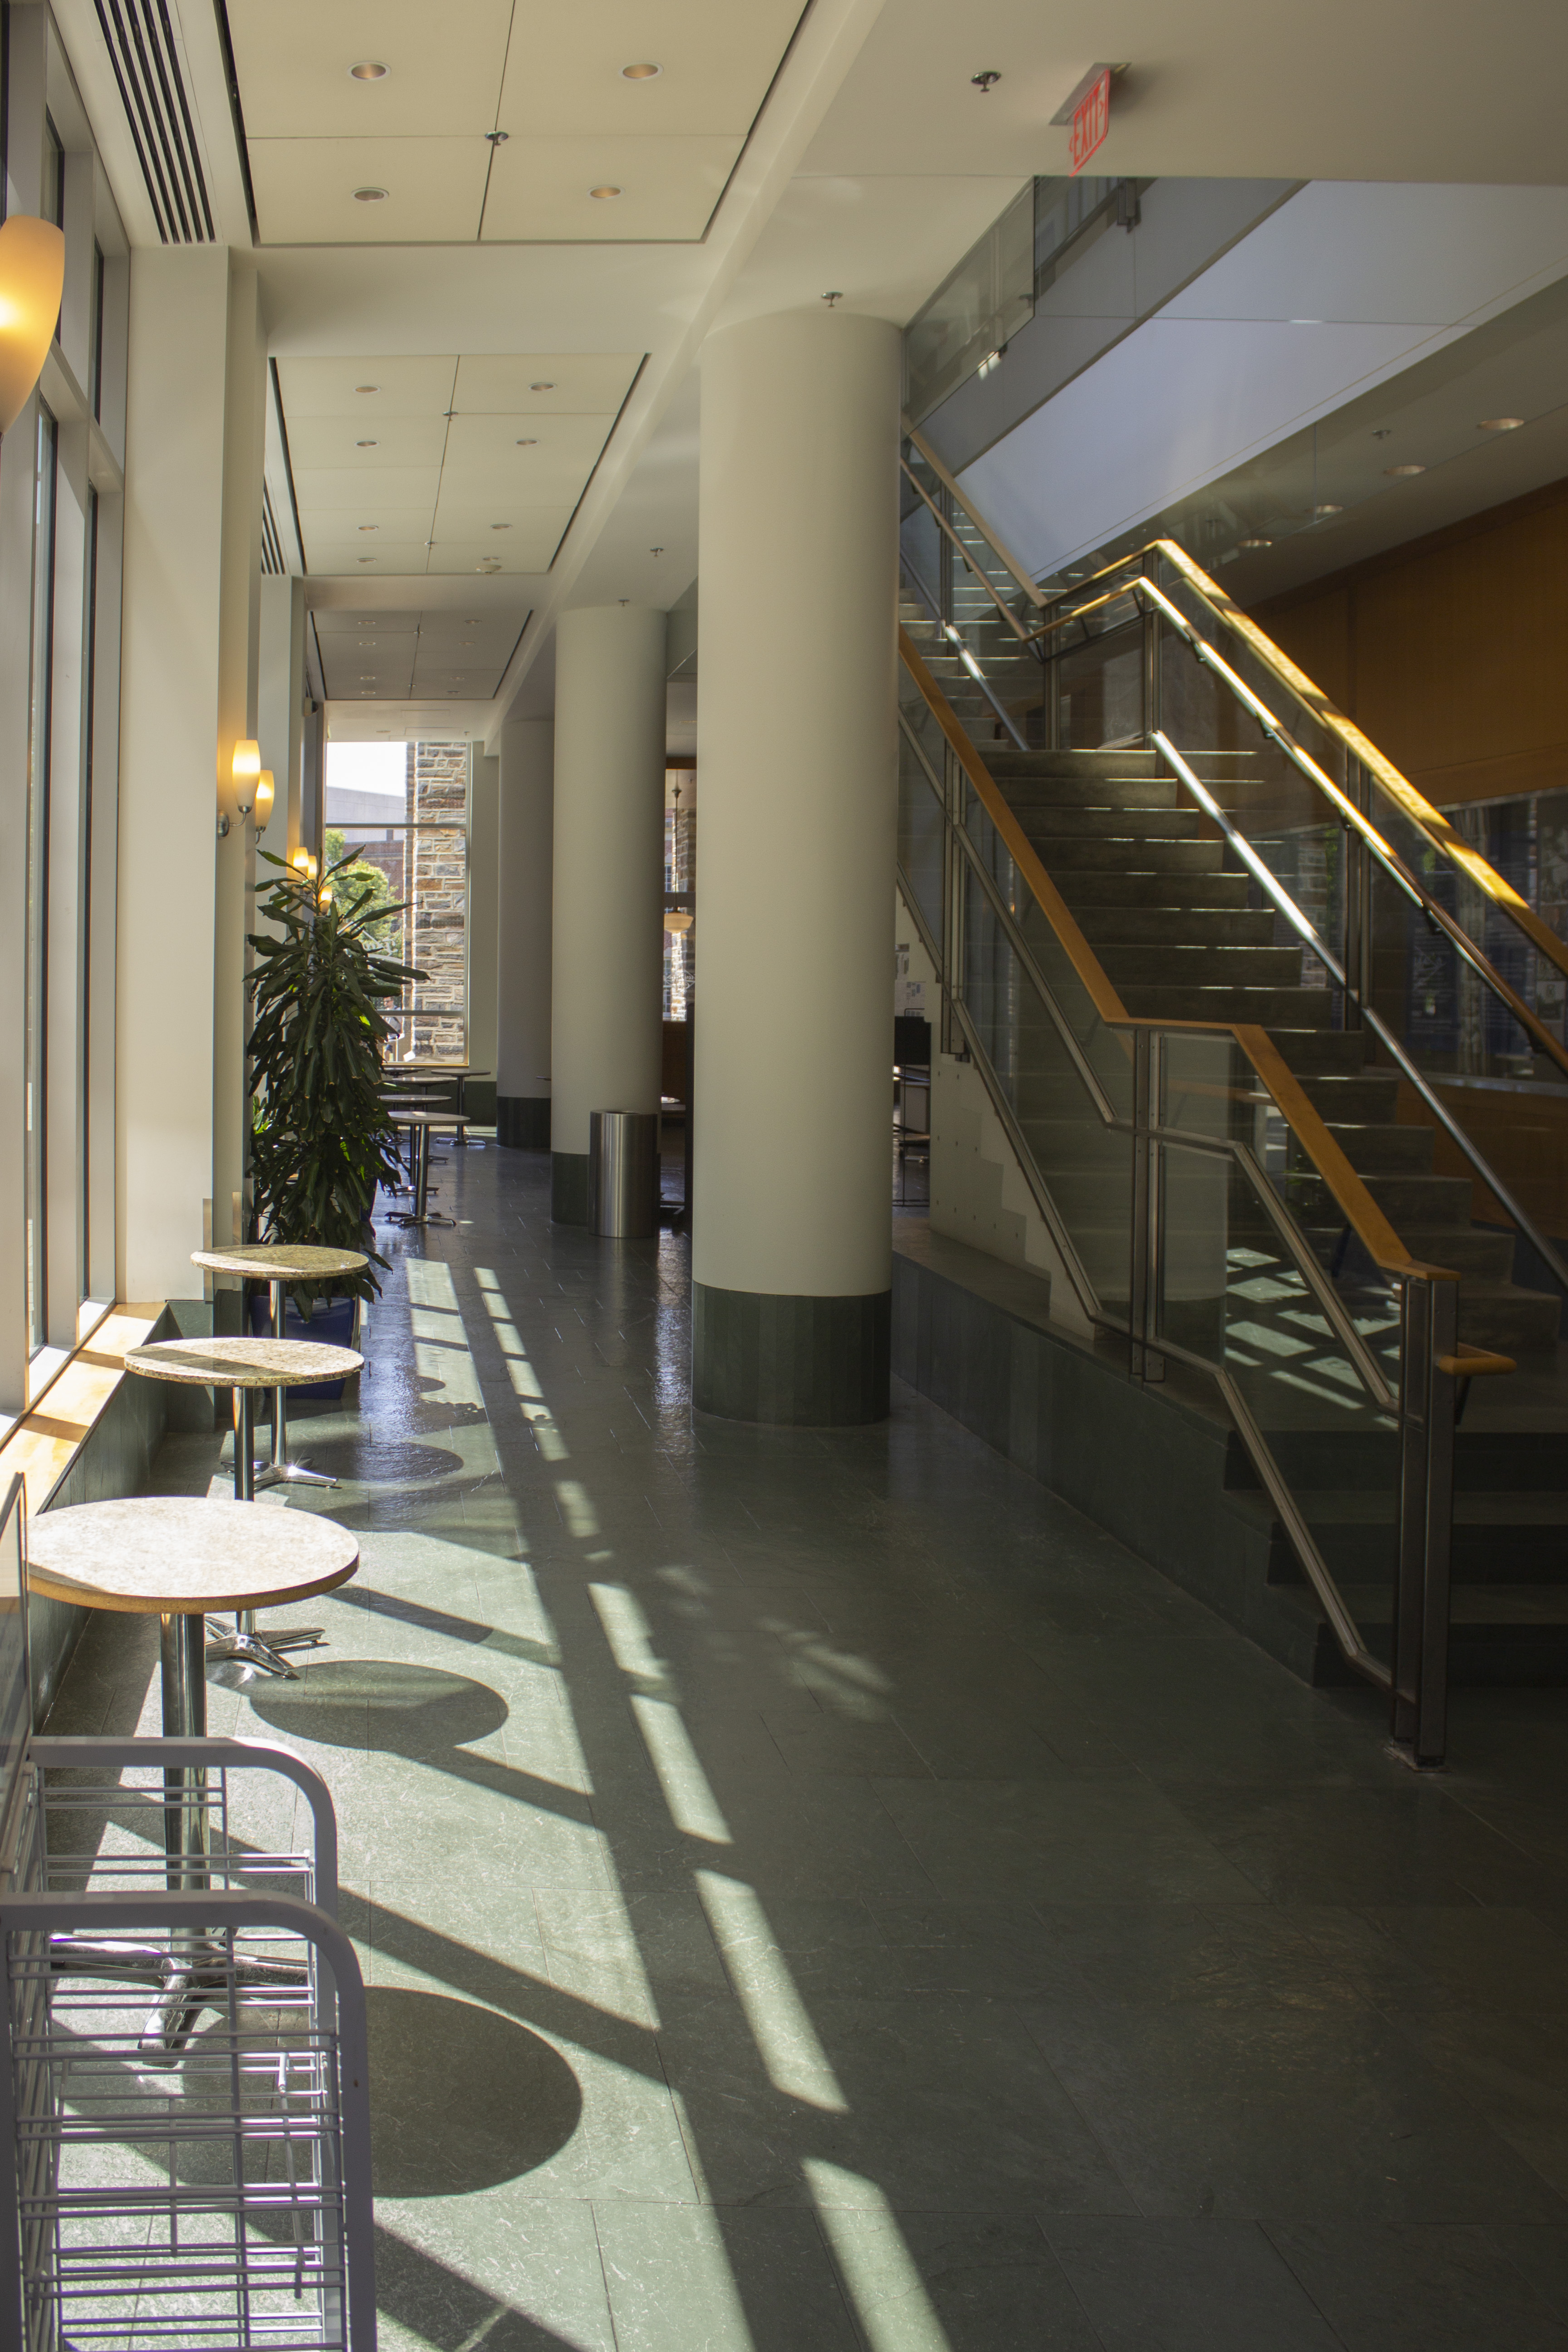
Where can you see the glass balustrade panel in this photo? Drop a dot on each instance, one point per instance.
(1085, 1164)
(1230, 1289)
(921, 830)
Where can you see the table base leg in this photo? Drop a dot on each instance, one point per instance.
(248, 1649)
(181, 1642)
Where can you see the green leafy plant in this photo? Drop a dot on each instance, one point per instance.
(321, 1139)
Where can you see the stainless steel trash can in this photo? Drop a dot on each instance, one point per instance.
(623, 1173)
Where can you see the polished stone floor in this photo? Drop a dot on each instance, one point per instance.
(818, 1891)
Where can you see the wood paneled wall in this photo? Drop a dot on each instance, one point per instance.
(1452, 651)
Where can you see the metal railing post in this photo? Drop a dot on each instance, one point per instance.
(1152, 719)
(1143, 1242)
(1428, 1337)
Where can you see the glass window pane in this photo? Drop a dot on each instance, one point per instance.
(403, 808)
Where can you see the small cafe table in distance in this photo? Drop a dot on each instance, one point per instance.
(422, 1122)
(281, 1263)
(245, 1366)
(175, 1556)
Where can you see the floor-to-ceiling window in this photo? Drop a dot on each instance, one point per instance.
(62, 506)
(403, 810)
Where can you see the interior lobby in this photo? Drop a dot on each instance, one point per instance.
(874, 1222)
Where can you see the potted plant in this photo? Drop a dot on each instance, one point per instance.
(321, 1139)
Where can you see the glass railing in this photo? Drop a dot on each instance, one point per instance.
(1196, 1199)
(1245, 1228)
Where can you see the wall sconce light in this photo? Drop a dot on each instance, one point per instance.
(32, 278)
(324, 897)
(245, 768)
(300, 862)
(313, 868)
(264, 798)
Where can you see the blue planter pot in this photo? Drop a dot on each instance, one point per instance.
(330, 1324)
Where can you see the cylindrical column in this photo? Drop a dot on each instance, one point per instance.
(522, 954)
(796, 754)
(607, 917)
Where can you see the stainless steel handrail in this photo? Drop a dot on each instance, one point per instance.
(1024, 634)
(955, 640)
(1301, 922)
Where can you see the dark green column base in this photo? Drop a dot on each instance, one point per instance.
(810, 1363)
(522, 1121)
(569, 1188)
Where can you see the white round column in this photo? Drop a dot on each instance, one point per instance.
(796, 754)
(524, 885)
(606, 916)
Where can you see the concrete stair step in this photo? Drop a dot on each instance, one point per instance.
(1465, 1249)
(1228, 926)
(1178, 891)
(1500, 1539)
(1119, 854)
(1378, 1151)
(1052, 822)
(1192, 963)
(1269, 1008)
(1353, 1099)
(1504, 1316)
(1030, 794)
(1407, 1202)
(1031, 766)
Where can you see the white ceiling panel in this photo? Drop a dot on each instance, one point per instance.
(433, 676)
(361, 444)
(512, 481)
(544, 384)
(336, 488)
(444, 66)
(392, 627)
(305, 190)
(371, 388)
(511, 550)
(332, 551)
(669, 186)
(475, 518)
(564, 68)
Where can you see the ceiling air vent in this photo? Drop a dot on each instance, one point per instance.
(142, 51)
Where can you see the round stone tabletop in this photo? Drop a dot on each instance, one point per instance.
(280, 1261)
(242, 1363)
(401, 1117)
(174, 1555)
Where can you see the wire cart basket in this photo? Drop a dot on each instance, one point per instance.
(184, 2121)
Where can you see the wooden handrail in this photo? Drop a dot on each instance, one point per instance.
(1360, 1212)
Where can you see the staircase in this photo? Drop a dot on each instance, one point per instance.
(1175, 936)
(1175, 933)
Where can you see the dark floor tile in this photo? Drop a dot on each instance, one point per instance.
(1186, 2286)
(1403, 2289)
(1257, 2114)
(966, 2282)
(1361, 1846)
(1512, 2069)
(1069, 1839)
(944, 2104)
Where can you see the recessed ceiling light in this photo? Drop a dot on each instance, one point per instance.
(500, 526)
(370, 526)
(367, 445)
(365, 675)
(367, 387)
(1328, 510)
(365, 559)
(1502, 424)
(528, 445)
(1404, 470)
(368, 70)
(1254, 542)
(640, 73)
(605, 195)
(542, 387)
(369, 196)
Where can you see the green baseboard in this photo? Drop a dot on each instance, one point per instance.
(811, 1364)
(569, 1188)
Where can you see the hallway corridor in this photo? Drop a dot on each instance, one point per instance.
(817, 1891)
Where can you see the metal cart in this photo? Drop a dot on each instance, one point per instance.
(185, 2123)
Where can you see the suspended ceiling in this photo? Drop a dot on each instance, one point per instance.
(476, 464)
(494, 122)
(427, 656)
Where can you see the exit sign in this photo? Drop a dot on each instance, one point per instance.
(1090, 120)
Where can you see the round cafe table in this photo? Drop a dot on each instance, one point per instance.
(422, 1122)
(281, 1264)
(175, 1556)
(245, 1366)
